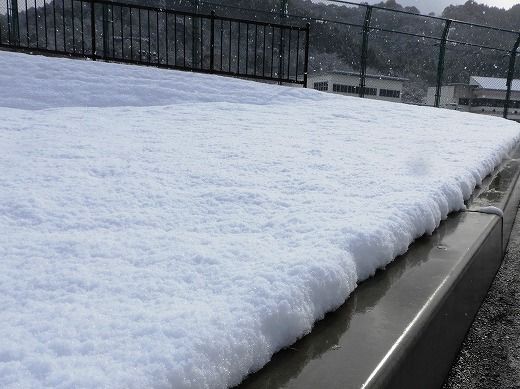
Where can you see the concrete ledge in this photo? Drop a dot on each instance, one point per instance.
(403, 327)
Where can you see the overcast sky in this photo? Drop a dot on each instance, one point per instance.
(426, 6)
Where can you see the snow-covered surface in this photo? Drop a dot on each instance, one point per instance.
(170, 230)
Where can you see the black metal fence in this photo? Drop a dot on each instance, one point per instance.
(132, 33)
(398, 55)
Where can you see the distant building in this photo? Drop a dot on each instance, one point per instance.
(484, 95)
(347, 83)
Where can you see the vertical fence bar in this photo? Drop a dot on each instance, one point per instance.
(230, 40)
(289, 55)
(272, 50)
(113, 37)
(166, 32)
(280, 56)
(63, 22)
(212, 42)
(201, 23)
(440, 65)
(157, 43)
(122, 32)
(284, 8)
(54, 25)
(238, 50)
(306, 59)
(221, 43)
(364, 51)
(27, 25)
(9, 27)
(45, 23)
(149, 36)
(247, 47)
(256, 48)
(93, 29)
(131, 34)
(36, 24)
(263, 54)
(82, 29)
(195, 37)
(184, 40)
(140, 36)
(175, 40)
(105, 30)
(297, 53)
(510, 75)
(73, 27)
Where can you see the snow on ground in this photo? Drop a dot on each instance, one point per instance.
(172, 230)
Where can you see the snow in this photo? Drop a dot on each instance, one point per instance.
(491, 210)
(173, 230)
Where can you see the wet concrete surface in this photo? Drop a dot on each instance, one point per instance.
(490, 354)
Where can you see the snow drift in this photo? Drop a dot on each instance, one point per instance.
(172, 230)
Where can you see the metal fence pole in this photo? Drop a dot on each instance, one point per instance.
(306, 59)
(281, 55)
(105, 30)
(14, 25)
(364, 51)
(93, 29)
(195, 35)
(510, 75)
(440, 65)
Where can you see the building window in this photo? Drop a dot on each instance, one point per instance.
(389, 93)
(351, 89)
(463, 101)
(322, 86)
(371, 91)
(487, 103)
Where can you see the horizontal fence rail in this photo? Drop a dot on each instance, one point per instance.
(136, 34)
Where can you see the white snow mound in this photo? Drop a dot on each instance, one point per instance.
(172, 230)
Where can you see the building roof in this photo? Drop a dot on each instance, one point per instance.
(494, 83)
(356, 74)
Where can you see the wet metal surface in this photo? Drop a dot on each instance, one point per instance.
(402, 327)
(345, 348)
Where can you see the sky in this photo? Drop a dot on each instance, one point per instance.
(426, 6)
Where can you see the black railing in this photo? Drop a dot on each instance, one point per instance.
(129, 33)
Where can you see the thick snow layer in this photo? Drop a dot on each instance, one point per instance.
(173, 230)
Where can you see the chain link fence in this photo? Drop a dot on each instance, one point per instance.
(397, 55)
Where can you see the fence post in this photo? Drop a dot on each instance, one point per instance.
(510, 75)
(364, 51)
(306, 59)
(212, 42)
(93, 29)
(281, 53)
(14, 25)
(105, 30)
(195, 35)
(440, 65)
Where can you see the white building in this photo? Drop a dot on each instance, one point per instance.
(347, 83)
(484, 95)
